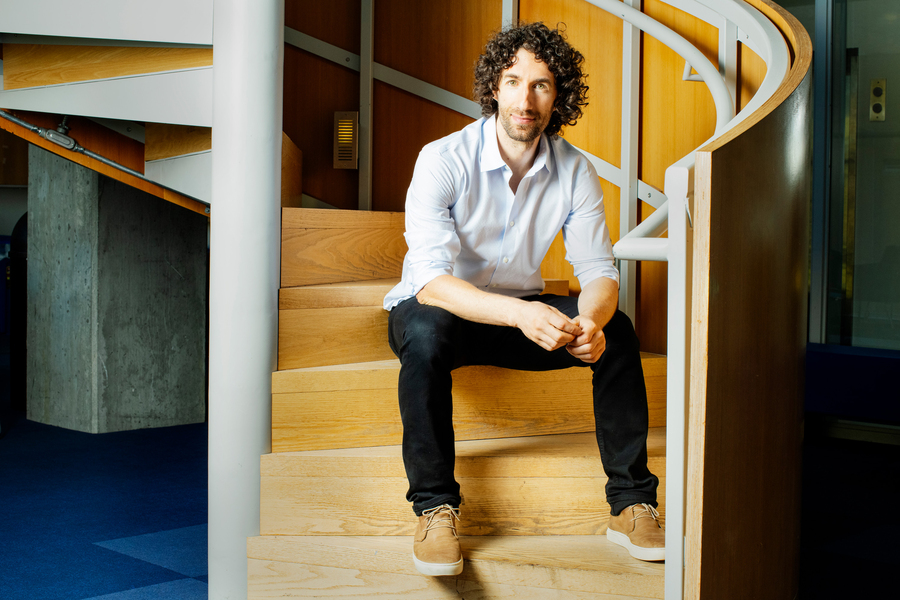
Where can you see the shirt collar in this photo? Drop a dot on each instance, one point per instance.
(490, 154)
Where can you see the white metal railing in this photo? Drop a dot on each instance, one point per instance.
(737, 22)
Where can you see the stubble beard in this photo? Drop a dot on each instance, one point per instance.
(523, 133)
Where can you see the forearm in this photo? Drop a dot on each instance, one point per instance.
(599, 300)
(541, 323)
(465, 300)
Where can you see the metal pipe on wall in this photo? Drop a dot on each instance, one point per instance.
(248, 38)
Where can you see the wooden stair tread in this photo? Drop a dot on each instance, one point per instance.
(541, 485)
(355, 405)
(532, 456)
(291, 380)
(576, 564)
(349, 294)
(336, 295)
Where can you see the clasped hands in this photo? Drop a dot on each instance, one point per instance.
(550, 329)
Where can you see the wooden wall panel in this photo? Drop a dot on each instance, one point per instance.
(314, 89)
(748, 341)
(677, 116)
(403, 124)
(751, 72)
(334, 21)
(434, 41)
(164, 140)
(30, 65)
(93, 136)
(13, 159)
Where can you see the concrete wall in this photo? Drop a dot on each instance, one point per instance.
(117, 295)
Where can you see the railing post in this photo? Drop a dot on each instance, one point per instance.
(678, 188)
(628, 184)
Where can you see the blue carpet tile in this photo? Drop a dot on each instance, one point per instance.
(183, 589)
(112, 515)
(180, 550)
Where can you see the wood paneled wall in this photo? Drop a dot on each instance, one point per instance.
(438, 46)
(676, 117)
(314, 89)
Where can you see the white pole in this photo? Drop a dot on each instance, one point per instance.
(628, 184)
(678, 187)
(248, 46)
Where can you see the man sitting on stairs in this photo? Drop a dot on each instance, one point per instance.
(482, 209)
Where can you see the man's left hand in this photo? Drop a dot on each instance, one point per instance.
(590, 344)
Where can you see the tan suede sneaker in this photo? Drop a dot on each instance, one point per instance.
(638, 530)
(436, 545)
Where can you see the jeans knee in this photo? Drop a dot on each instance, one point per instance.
(427, 333)
(620, 333)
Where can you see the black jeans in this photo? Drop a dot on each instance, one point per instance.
(431, 342)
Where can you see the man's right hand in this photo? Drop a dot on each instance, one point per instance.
(546, 326)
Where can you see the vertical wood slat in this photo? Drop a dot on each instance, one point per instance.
(748, 340)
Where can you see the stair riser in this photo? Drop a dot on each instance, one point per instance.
(324, 246)
(316, 337)
(338, 324)
(491, 506)
(356, 409)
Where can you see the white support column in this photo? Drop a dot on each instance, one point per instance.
(678, 188)
(366, 92)
(628, 200)
(248, 39)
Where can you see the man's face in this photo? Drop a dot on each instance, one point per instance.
(525, 96)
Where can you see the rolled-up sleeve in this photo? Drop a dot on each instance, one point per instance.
(430, 230)
(586, 236)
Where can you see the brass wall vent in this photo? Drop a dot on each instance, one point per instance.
(346, 128)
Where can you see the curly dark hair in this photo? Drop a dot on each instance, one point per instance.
(548, 46)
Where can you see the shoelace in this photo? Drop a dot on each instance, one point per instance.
(648, 513)
(434, 523)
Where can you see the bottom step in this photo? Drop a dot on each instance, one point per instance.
(521, 567)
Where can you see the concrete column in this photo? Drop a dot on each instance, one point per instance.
(117, 290)
(248, 41)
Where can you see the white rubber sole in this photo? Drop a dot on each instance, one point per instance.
(438, 569)
(648, 554)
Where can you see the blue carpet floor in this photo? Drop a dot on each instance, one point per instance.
(117, 516)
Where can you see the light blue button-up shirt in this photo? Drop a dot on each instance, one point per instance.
(462, 218)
